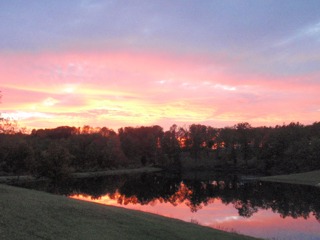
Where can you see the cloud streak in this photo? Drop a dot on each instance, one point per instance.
(104, 64)
(122, 88)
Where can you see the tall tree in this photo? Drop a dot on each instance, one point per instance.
(170, 147)
(228, 139)
(54, 162)
(198, 138)
(141, 143)
(244, 137)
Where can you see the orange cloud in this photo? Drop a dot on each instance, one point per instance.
(117, 89)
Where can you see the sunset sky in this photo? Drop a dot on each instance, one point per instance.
(140, 62)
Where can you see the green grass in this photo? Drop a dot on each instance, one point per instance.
(29, 214)
(307, 178)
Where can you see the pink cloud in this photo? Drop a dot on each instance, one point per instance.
(138, 88)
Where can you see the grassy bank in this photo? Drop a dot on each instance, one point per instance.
(28, 214)
(308, 178)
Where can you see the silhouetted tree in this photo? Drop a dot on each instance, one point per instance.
(141, 141)
(170, 148)
(16, 155)
(54, 162)
(244, 137)
(198, 139)
(228, 137)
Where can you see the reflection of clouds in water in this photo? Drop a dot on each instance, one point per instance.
(265, 223)
(227, 219)
(208, 203)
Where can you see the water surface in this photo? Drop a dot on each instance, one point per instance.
(231, 203)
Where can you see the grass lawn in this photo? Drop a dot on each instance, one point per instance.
(28, 214)
(308, 178)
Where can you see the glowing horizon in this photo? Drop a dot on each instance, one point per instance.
(81, 70)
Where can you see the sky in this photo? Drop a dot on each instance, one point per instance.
(160, 62)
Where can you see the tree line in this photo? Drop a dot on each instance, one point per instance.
(55, 153)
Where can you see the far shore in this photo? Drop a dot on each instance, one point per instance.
(6, 179)
(307, 178)
(116, 172)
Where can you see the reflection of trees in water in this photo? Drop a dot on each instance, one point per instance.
(293, 200)
(245, 209)
(288, 200)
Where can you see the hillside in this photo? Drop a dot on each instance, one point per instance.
(28, 214)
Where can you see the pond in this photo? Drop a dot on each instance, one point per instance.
(227, 202)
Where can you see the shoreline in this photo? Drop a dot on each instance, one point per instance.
(307, 178)
(116, 172)
(30, 214)
(7, 179)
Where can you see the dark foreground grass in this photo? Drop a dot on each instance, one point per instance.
(29, 214)
(307, 178)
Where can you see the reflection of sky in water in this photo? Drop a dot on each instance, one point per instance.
(263, 223)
